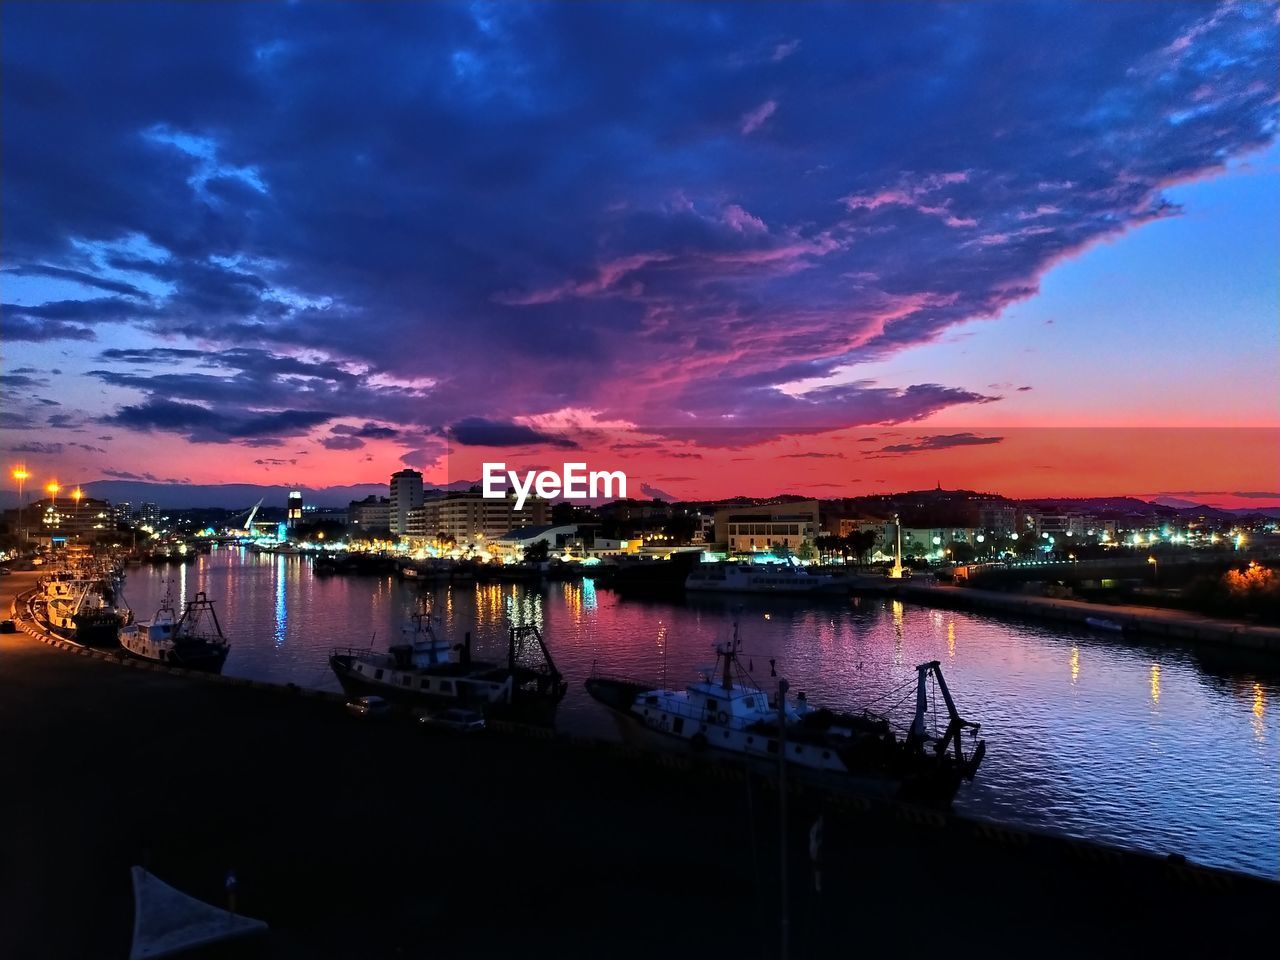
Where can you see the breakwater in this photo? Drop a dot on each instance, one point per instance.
(1178, 625)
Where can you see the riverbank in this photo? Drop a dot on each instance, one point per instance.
(1177, 625)
(364, 840)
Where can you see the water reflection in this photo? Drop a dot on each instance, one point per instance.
(1184, 766)
(282, 608)
(899, 615)
(1259, 711)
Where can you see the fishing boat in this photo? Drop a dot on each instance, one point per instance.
(726, 712)
(82, 610)
(427, 671)
(770, 578)
(193, 641)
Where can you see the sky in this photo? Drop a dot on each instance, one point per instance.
(729, 248)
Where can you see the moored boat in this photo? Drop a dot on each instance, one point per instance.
(768, 578)
(426, 671)
(81, 609)
(193, 641)
(855, 751)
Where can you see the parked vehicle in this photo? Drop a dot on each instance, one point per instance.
(455, 719)
(368, 707)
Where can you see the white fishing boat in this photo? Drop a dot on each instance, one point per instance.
(427, 671)
(193, 641)
(83, 610)
(730, 714)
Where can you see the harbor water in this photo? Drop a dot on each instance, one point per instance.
(1159, 748)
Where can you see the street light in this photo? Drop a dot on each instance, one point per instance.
(77, 494)
(20, 474)
(52, 489)
(1155, 569)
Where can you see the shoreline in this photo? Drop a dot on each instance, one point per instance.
(1178, 625)
(375, 840)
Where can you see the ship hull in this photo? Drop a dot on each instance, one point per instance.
(207, 660)
(467, 694)
(933, 787)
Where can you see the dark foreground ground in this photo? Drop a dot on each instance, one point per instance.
(368, 840)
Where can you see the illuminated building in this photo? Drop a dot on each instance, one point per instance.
(371, 513)
(406, 495)
(79, 520)
(294, 514)
(767, 525)
(468, 517)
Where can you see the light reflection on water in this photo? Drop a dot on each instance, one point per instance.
(1142, 746)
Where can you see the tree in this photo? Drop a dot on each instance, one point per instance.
(827, 545)
(537, 552)
(806, 551)
(860, 543)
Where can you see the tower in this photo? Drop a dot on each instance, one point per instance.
(406, 495)
(294, 515)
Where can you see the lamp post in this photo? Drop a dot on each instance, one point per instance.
(1155, 570)
(52, 489)
(20, 474)
(785, 924)
(77, 494)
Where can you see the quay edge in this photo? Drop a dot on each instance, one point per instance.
(1176, 625)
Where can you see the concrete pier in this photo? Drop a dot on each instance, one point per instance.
(1153, 621)
(366, 839)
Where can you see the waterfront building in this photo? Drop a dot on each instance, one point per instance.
(998, 517)
(72, 520)
(324, 515)
(370, 514)
(1060, 524)
(293, 512)
(406, 495)
(149, 514)
(122, 513)
(557, 538)
(767, 525)
(933, 542)
(468, 518)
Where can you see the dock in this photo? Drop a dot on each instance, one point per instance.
(363, 839)
(1159, 622)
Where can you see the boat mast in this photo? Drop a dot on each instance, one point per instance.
(727, 682)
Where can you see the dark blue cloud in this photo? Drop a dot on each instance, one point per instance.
(940, 442)
(423, 215)
(204, 425)
(478, 432)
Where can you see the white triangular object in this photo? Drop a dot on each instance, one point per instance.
(167, 921)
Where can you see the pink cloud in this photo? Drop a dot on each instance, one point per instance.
(753, 120)
(784, 50)
(742, 221)
(912, 192)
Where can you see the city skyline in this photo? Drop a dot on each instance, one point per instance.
(823, 250)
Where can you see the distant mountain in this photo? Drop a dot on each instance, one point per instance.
(1272, 512)
(1176, 502)
(177, 496)
(230, 496)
